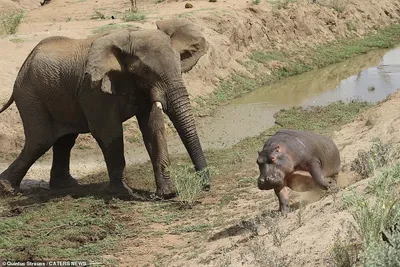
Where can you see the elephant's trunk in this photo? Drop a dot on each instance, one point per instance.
(179, 111)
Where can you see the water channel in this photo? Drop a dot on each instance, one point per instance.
(368, 77)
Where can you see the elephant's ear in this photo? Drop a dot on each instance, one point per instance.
(105, 59)
(186, 38)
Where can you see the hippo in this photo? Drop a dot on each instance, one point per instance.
(289, 151)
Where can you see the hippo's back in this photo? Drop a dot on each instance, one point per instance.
(315, 146)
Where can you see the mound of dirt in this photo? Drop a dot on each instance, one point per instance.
(382, 121)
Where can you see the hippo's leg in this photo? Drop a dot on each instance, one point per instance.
(283, 196)
(316, 174)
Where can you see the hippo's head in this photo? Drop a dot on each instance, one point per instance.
(274, 163)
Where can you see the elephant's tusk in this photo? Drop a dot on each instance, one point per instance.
(159, 105)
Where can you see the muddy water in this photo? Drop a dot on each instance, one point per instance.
(369, 77)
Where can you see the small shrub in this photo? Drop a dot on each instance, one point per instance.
(188, 183)
(9, 22)
(346, 250)
(256, 2)
(278, 235)
(386, 181)
(372, 218)
(374, 214)
(367, 162)
(265, 256)
(384, 254)
(133, 16)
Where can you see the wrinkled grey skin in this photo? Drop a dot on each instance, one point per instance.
(71, 86)
(288, 151)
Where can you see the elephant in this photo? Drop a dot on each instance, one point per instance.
(69, 86)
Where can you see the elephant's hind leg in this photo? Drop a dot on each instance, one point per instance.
(39, 137)
(60, 176)
(11, 178)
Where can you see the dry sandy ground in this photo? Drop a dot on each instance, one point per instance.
(233, 28)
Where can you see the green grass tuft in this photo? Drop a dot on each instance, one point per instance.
(98, 15)
(325, 119)
(17, 40)
(192, 228)
(378, 156)
(133, 16)
(188, 184)
(84, 228)
(111, 27)
(9, 22)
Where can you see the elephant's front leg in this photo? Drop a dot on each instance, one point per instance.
(151, 124)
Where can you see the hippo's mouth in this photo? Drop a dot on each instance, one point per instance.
(271, 176)
(270, 182)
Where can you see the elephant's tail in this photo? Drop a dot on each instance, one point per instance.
(10, 101)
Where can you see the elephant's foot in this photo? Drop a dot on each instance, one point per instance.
(120, 189)
(165, 190)
(7, 188)
(58, 183)
(205, 180)
(206, 185)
